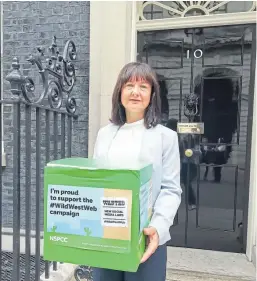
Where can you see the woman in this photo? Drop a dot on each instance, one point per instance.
(135, 134)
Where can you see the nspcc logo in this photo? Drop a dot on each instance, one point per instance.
(59, 239)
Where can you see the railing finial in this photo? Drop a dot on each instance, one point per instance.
(15, 77)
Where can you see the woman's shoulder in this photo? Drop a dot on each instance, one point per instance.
(168, 136)
(107, 129)
(166, 132)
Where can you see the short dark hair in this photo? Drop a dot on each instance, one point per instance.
(138, 71)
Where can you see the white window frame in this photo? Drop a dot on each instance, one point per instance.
(3, 156)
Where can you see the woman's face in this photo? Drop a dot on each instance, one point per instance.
(136, 96)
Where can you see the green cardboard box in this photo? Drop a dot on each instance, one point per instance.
(94, 213)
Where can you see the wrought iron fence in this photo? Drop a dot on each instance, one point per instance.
(83, 273)
(39, 130)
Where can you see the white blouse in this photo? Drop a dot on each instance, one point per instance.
(126, 145)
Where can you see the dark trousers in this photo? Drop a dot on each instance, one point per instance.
(217, 174)
(154, 269)
(206, 172)
(185, 177)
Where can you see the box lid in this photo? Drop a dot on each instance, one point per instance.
(93, 164)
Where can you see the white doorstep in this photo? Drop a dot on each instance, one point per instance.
(209, 263)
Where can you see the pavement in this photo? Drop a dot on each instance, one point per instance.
(204, 265)
(185, 264)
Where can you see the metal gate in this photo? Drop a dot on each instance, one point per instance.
(35, 127)
(206, 76)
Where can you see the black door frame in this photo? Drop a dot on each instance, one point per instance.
(249, 139)
(249, 128)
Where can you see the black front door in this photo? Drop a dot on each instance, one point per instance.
(213, 66)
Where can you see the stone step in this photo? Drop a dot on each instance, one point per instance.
(186, 264)
(178, 275)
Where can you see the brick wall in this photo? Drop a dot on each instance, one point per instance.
(28, 25)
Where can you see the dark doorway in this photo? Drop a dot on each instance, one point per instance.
(214, 64)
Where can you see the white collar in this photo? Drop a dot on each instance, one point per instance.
(137, 123)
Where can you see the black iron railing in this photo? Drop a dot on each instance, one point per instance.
(35, 129)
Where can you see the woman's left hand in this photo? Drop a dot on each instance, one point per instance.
(153, 242)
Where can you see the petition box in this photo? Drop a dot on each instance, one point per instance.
(94, 214)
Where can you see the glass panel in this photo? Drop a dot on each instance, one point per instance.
(174, 9)
(238, 6)
(152, 12)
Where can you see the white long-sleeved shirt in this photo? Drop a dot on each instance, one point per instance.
(159, 146)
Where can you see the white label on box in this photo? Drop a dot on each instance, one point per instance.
(114, 211)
